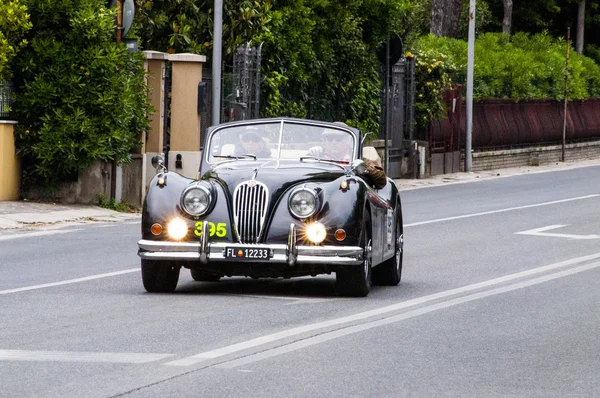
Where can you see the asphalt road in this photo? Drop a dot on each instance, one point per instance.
(500, 297)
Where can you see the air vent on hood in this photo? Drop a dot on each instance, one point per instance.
(250, 200)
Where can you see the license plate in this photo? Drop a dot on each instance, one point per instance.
(247, 253)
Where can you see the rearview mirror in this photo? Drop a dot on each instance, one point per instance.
(158, 163)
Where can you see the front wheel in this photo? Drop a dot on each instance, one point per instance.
(356, 281)
(160, 276)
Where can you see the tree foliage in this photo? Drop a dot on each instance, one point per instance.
(81, 97)
(319, 58)
(14, 24)
(520, 66)
(187, 25)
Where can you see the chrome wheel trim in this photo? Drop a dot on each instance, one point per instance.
(367, 259)
(399, 247)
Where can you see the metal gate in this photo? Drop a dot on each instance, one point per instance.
(246, 82)
(398, 99)
(444, 135)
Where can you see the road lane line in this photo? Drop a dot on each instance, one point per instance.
(70, 356)
(69, 281)
(542, 232)
(284, 334)
(485, 213)
(397, 318)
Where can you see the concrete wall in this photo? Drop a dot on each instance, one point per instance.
(91, 183)
(131, 178)
(10, 167)
(533, 156)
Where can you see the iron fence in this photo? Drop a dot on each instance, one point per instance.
(7, 90)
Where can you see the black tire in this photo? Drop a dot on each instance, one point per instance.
(160, 276)
(354, 281)
(389, 273)
(202, 276)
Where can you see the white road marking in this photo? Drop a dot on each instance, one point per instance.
(69, 356)
(263, 340)
(69, 281)
(542, 232)
(39, 233)
(500, 210)
(397, 318)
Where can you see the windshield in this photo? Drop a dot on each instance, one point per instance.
(280, 140)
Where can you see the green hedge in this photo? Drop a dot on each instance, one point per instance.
(519, 66)
(80, 96)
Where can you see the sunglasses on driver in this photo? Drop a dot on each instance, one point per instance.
(251, 138)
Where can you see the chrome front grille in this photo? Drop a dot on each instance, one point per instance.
(250, 200)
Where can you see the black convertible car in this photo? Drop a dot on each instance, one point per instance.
(276, 197)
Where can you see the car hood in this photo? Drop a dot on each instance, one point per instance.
(276, 174)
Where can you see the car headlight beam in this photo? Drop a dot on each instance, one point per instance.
(303, 203)
(196, 200)
(316, 232)
(177, 228)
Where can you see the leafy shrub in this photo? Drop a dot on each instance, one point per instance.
(319, 59)
(80, 96)
(14, 24)
(521, 66)
(432, 77)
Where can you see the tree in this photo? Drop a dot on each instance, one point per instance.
(186, 25)
(14, 24)
(507, 20)
(81, 97)
(319, 58)
(445, 16)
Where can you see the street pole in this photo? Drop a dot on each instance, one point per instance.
(470, 63)
(216, 62)
(564, 135)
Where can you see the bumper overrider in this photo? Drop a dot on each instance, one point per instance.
(290, 253)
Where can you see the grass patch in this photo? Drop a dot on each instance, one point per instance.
(111, 204)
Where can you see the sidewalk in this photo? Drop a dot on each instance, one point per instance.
(20, 215)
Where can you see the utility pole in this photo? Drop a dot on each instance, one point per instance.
(564, 136)
(216, 62)
(470, 64)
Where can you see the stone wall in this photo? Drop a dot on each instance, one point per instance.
(533, 156)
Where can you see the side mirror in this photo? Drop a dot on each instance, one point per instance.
(364, 137)
(158, 163)
(359, 166)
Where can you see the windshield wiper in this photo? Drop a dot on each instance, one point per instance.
(244, 156)
(324, 159)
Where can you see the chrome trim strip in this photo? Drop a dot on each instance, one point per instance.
(292, 248)
(282, 253)
(204, 248)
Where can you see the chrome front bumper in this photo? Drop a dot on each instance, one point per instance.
(290, 253)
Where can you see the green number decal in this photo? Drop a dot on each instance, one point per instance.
(198, 231)
(219, 229)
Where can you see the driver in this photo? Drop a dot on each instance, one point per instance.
(252, 144)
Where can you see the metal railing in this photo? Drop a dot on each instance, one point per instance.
(6, 98)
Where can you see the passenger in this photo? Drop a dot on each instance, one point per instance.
(337, 145)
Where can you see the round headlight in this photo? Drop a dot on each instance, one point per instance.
(196, 200)
(303, 203)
